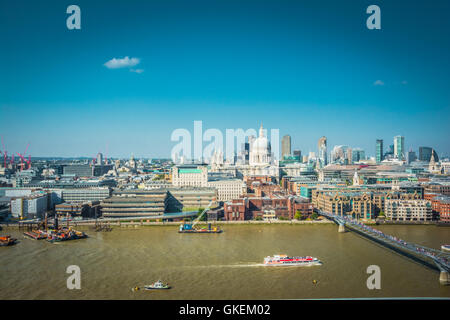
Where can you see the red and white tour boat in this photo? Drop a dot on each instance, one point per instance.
(284, 260)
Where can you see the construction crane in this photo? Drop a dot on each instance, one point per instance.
(29, 162)
(189, 228)
(22, 160)
(5, 154)
(201, 214)
(29, 157)
(106, 154)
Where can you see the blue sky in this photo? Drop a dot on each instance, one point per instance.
(308, 68)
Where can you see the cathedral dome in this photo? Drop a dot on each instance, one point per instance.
(261, 144)
(260, 150)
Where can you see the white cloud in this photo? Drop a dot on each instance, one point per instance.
(378, 83)
(121, 63)
(137, 70)
(404, 82)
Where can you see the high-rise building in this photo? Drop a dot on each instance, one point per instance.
(349, 156)
(411, 156)
(379, 151)
(425, 154)
(286, 146)
(399, 147)
(322, 146)
(339, 154)
(434, 154)
(358, 154)
(99, 158)
(298, 154)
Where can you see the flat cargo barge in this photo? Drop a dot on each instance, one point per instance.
(199, 231)
(65, 234)
(36, 234)
(188, 228)
(55, 235)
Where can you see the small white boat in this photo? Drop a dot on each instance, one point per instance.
(157, 285)
(445, 247)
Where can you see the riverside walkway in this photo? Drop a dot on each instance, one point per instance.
(432, 258)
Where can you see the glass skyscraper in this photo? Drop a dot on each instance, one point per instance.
(399, 147)
(379, 151)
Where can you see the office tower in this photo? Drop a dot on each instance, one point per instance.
(434, 154)
(246, 152)
(298, 154)
(286, 146)
(425, 154)
(411, 157)
(339, 154)
(322, 146)
(349, 156)
(99, 158)
(358, 154)
(399, 147)
(379, 150)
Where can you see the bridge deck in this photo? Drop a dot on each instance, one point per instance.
(438, 259)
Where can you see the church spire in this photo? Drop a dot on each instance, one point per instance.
(261, 131)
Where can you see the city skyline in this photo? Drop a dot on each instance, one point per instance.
(310, 70)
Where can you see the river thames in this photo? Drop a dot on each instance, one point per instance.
(219, 266)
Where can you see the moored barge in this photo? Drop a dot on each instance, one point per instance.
(7, 241)
(64, 234)
(188, 228)
(36, 234)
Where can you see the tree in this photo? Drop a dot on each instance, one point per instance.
(298, 215)
(314, 216)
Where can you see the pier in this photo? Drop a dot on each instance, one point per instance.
(432, 258)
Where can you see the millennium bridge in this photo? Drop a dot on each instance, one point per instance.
(432, 258)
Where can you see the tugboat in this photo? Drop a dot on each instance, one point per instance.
(284, 260)
(157, 285)
(7, 241)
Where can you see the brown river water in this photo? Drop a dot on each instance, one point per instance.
(218, 266)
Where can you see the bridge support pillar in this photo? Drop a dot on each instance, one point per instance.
(444, 278)
(341, 228)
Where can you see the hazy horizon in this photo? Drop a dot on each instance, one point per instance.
(136, 71)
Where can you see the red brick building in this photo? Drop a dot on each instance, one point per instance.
(275, 207)
(439, 188)
(262, 179)
(441, 206)
(429, 195)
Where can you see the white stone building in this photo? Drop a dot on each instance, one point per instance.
(408, 210)
(190, 175)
